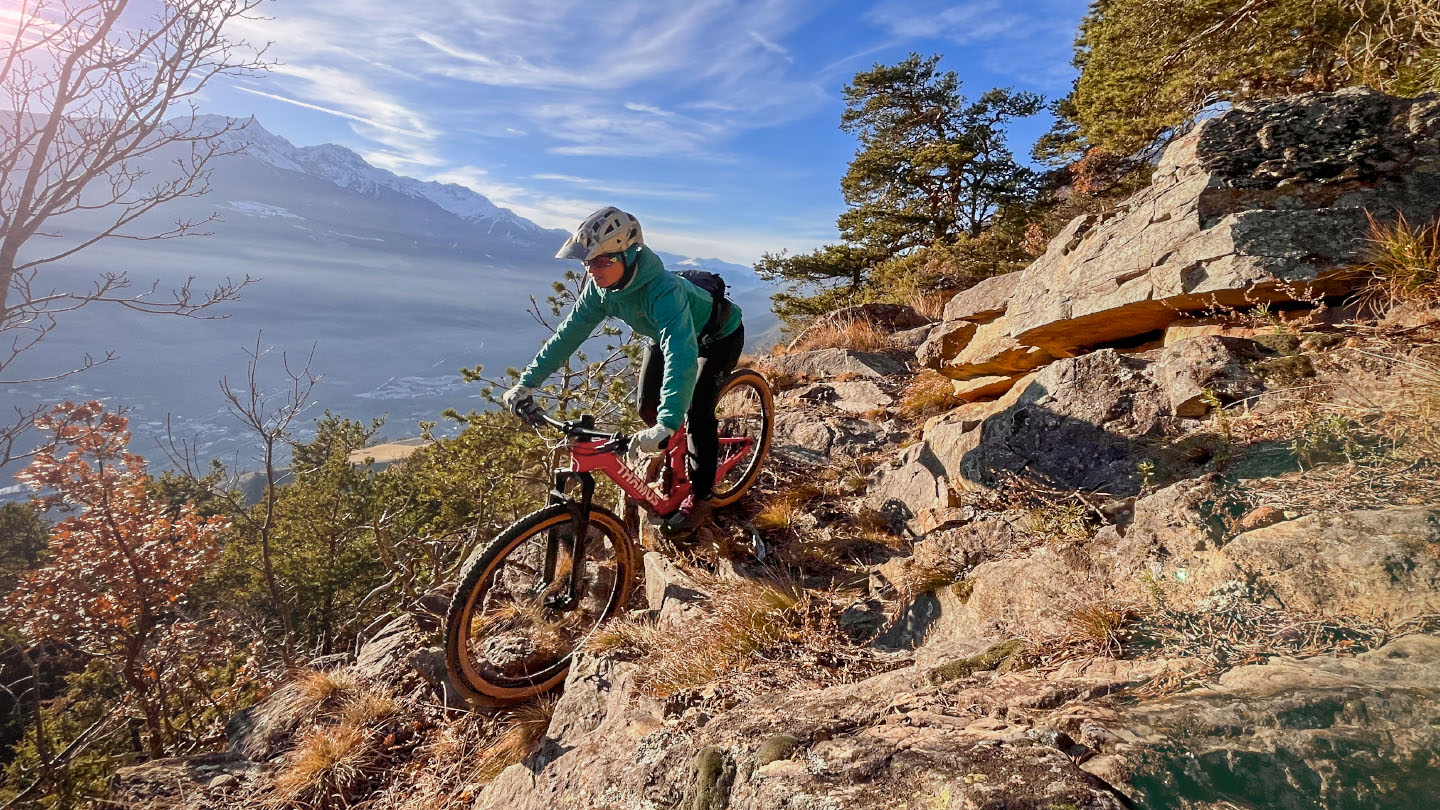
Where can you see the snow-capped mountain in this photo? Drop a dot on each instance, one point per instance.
(739, 278)
(348, 170)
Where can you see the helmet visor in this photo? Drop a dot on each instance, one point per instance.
(572, 249)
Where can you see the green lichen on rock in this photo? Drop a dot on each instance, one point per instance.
(963, 589)
(1014, 655)
(779, 747)
(1288, 368)
(1321, 340)
(714, 776)
(1283, 343)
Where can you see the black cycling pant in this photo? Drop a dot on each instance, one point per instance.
(717, 360)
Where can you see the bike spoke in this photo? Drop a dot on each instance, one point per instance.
(517, 633)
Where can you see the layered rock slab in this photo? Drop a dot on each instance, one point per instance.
(1265, 202)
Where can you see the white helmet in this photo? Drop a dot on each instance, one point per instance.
(608, 230)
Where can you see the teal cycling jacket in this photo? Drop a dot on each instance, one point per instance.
(657, 304)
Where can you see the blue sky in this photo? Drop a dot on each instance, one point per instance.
(715, 122)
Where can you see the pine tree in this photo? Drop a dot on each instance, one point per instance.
(931, 169)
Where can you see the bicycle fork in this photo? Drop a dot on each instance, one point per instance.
(580, 521)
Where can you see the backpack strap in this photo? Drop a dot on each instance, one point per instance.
(720, 306)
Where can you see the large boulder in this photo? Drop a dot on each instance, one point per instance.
(1030, 596)
(1261, 203)
(805, 437)
(1199, 372)
(851, 396)
(1341, 733)
(831, 364)
(911, 484)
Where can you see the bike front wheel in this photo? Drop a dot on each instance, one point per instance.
(515, 621)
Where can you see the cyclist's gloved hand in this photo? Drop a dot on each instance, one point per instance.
(651, 439)
(511, 399)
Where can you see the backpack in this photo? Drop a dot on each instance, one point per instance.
(715, 285)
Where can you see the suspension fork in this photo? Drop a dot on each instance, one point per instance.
(580, 520)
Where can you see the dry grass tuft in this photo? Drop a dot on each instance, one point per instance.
(317, 693)
(1100, 625)
(1058, 521)
(785, 508)
(1405, 261)
(328, 768)
(625, 634)
(848, 333)
(741, 617)
(368, 708)
(521, 731)
(1413, 424)
(929, 393)
(930, 305)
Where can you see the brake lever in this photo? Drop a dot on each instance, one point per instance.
(619, 443)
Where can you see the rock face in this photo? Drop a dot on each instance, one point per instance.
(1339, 733)
(1249, 206)
(878, 743)
(853, 396)
(811, 438)
(1078, 425)
(1381, 565)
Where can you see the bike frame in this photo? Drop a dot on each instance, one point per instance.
(594, 456)
(591, 455)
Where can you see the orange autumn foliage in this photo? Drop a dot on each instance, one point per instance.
(121, 564)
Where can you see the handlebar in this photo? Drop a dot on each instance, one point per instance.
(582, 428)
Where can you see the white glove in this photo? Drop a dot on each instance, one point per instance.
(650, 439)
(514, 397)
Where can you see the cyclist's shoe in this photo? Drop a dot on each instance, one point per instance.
(692, 512)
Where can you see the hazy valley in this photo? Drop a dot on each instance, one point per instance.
(393, 292)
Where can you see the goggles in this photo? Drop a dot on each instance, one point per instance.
(602, 262)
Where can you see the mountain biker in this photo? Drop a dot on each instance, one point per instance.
(689, 356)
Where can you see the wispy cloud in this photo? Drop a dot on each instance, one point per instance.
(770, 45)
(580, 89)
(667, 192)
(962, 23)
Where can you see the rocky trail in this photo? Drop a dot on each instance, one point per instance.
(1152, 523)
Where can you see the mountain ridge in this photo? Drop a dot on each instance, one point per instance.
(345, 168)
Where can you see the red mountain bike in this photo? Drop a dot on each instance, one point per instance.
(524, 604)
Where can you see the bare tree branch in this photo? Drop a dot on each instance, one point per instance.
(100, 117)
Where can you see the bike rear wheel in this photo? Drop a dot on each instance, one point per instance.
(509, 634)
(745, 409)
